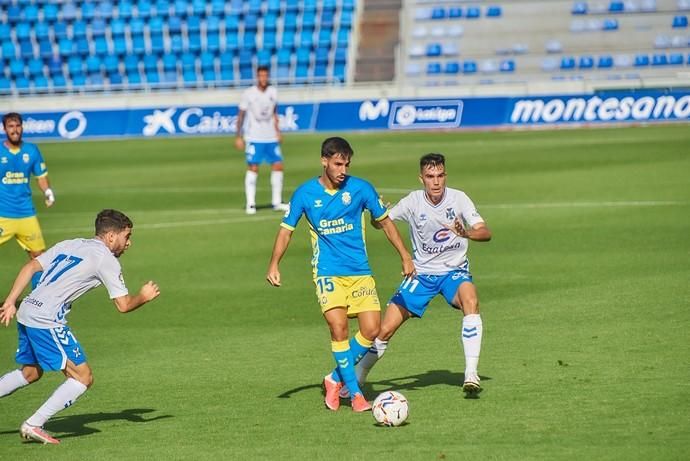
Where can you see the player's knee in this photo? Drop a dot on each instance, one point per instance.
(470, 306)
(370, 332)
(32, 374)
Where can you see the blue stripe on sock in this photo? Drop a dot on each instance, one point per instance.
(470, 336)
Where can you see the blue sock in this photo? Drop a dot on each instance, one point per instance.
(35, 279)
(359, 345)
(346, 365)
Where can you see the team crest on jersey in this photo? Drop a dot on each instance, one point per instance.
(450, 213)
(25, 157)
(3, 160)
(318, 203)
(346, 198)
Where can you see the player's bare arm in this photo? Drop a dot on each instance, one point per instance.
(393, 236)
(279, 248)
(480, 232)
(48, 193)
(127, 303)
(239, 140)
(276, 121)
(9, 307)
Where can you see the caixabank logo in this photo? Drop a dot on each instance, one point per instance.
(405, 115)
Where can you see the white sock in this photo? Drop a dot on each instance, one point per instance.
(370, 358)
(12, 381)
(250, 187)
(276, 187)
(471, 341)
(64, 396)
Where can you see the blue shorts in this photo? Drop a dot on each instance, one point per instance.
(48, 347)
(416, 294)
(259, 152)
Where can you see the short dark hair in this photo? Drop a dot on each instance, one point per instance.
(432, 160)
(262, 68)
(11, 116)
(112, 220)
(336, 146)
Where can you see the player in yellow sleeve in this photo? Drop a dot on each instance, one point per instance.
(334, 205)
(18, 161)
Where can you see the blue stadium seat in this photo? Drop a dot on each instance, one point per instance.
(251, 22)
(469, 67)
(454, 12)
(150, 62)
(75, 65)
(69, 12)
(174, 25)
(324, 39)
(641, 60)
(117, 28)
(292, 5)
(22, 83)
(340, 56)
(301, 72)
(134, 78)
(579, 8)
(306, 38)
(586, 62)
(55, 66)
(35, 67)
(88, 11)
(254, 7)
(180, 8)
(438, 13)
(249, 40)
(189, 78)
(309, 20)
(152, 77)
(225, 60)
(82, 46)
(232, 24)
(124, 10)
(193, 24)
(213, 42)
(60, 30)
(5, 32)
(320, 71)
(288, 39)
(212, 25)
(674, 59)
(227, 74)
(232, 41)
(136, 27)
(176, 44)
(162, 9)
(8, 50)
(218, 8)
(206, 61)
(131, 63)
(41, 31)
(30, 13)
(58, 81)
(26, 49)
(451, 68)
(50, 12)
(433, 50)
(194, 42)
(309, 5)
(283, 73)
(188, 61)
(343, 37)
(209, 75)
(507, 66)
(5, 84)
(270, 22)
(433, 68)
(616, 6)
(115, 79)
(104, 10)
(605, 62)
(473, 12)
(169, 63)
(680, 22)
(22, 31)
(303, 56)
(659, 59)
(144, 9)
(327, 19)
(339, 72)
(138, 45)
(93, 65)
(493, 11)
(610, 24)
(111, 64)
(199, 7)
(346, 19)
(14, 14)
(321, 56)
(273, 6)
(269, 40)
(40, 83)
(100, 46)
(45, 49)
(284, 55)
(290, 22)
(263, 57)
(66, 47)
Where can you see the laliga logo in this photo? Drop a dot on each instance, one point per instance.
(442, 235)
(159, 119)
(369, 111)
(66, 128)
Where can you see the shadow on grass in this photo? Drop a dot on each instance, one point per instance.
(78, 425)
(402, 383)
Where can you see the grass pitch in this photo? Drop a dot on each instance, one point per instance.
(584, 293)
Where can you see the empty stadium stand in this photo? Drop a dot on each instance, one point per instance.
(87, 45)
(481, 42)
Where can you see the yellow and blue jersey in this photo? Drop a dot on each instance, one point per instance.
(336, 224)
(16, 168)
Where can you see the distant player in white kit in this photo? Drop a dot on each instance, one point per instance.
(260, 139)
(70, 269)
(442, 221)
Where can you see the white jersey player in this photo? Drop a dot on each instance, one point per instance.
(442, 221)
(70, 269)
(258, 135)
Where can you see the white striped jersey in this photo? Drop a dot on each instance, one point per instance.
(436, 249)
(260, 109)
(70, 269)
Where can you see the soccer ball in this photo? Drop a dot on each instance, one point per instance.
(390, 408)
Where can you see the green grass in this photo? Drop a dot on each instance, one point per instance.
(584, 291)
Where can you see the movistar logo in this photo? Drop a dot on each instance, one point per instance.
(369, 111)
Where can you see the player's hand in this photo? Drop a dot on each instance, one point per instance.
(7, 312)
(273, 277)
(50, 197)
(458, 229)
(408, 270)
(279, 137)
(386, 204)
(239, 143)
(150, 291)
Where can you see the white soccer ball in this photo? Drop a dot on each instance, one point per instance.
(390, 408)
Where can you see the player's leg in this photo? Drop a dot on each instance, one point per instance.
(250, 177)
(472, 329)
(30, 371)
(275, 157)
(57, 349)
(336, 318)
(30, 237)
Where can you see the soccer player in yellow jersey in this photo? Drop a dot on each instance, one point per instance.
(18, 161)
(334, 204)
